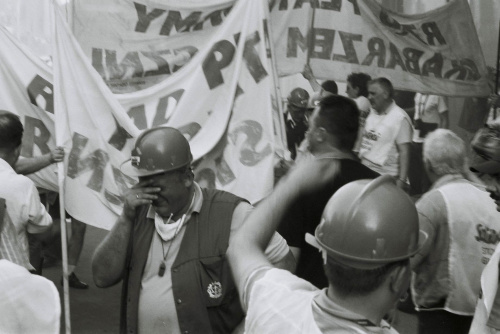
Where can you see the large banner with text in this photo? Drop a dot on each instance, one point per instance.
(435, 52)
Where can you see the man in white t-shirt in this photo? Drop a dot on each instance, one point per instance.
(431, 113)
(366, 260)
(385, 145)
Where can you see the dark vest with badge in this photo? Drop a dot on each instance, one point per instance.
(204, 292)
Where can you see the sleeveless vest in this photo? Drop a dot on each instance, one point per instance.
(204, 292)
(474, 231)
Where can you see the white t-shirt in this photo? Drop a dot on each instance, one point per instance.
(280, 302)
(427, 109)
(28, 303)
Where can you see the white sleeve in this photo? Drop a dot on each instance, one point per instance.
(277, 248)
(39, 219)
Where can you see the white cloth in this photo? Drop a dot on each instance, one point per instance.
(280, 302)
(23, 204)
(378, 148)
(28, 303)
(157, 311)
(489, 286)
(427, 109)
(472, 216)
(473, 224)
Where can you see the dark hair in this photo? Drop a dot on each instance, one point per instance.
(354, 282)
(11, 131)
(385, 84)
(359, 81)
(330, 86)
(339, 116)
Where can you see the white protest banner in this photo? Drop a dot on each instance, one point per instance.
(94, 129)
(290, 22)
(136, 44)
(197, 99)
(27, 91)
(435, 52)
(242, 163)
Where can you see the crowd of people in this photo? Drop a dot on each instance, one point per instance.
(333, 249)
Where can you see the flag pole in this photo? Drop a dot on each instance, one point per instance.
(310, 44)
(274, 67)
(64, 245)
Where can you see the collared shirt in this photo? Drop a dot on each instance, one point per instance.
(279, 302)
(28, 303)
(23, 204)
(157, 312)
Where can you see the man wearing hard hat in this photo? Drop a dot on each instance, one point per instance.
(169, 244)
(296, 123)
(367, 234)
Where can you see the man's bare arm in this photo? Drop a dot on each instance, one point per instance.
(108, 262)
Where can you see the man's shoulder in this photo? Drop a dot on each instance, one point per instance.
(216, 195)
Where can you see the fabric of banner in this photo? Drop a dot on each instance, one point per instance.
(95, 131)
(27, 91)
(436, 52)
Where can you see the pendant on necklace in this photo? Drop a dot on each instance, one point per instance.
(161, 270)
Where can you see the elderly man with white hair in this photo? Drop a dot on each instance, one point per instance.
(463, 227)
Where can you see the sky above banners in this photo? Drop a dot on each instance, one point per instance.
(435, 52)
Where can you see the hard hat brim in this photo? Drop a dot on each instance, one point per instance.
(129, 170)
(360, 263)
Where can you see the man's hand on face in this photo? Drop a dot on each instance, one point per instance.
(140, 194)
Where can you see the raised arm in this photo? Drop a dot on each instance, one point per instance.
(108, 263)
(247, 246)
(27, 166)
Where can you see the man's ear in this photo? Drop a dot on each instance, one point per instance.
(320, 134)
(399, 279)
(189, 178)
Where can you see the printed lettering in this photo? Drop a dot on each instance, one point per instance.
(249, 156)
(355, 6)
(463, 69)
(219, 57)
(41, 93)
(252, 58)
(433, 65)
(123, 181)
(295, 39)
(376, 49)
(163, 104)
(487, 235)
(119, 137)
(161, 64)
(224, 173)
(190, 130)
(335, 5)
(433, 34)
(299, 3)
(144, 18)
(138, 115)
(348, 44)
(174, 20)
(94, 162)
(395, 58)
(412, 58)
(35, 133)
(322, 39)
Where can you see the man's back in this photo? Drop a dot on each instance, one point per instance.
(305, 215)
